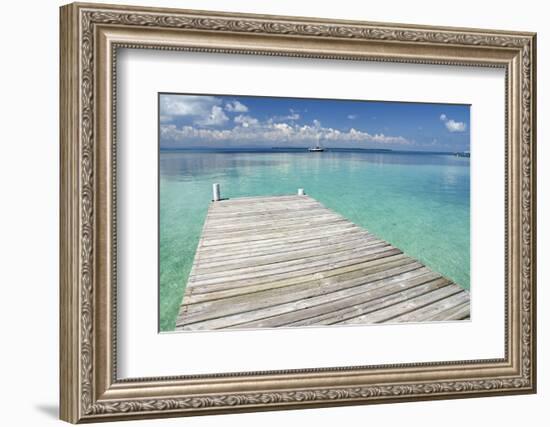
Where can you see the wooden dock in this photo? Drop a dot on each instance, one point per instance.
(289, 261)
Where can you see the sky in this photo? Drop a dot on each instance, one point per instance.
(227, 121)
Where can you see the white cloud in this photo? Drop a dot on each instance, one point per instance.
(250, 130)
(216, 117)
(294, 115)
(352, 116)
(245, 121)
(236, 107)
(203, 110)
(187, 105)
(451, 125)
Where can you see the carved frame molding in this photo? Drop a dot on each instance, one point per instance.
(90, 37)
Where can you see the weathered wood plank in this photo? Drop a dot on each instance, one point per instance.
(274, 250)
(434, 310)
(408, 305)
(264, 208)
(370, 271)
(283, 314)
(226, 226)
(354, 311)
(232, 225)
(312, 267)
(282, 212)
(285, 227)
(279, 261)
(290, 258)
(459, 312)
(295, 238)
(274, 236)
(269, 257)
(279, 295)
(257, 202)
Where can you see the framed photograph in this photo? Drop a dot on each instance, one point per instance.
(267, 212)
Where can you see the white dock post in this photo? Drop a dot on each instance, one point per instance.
(215, 192)
(301, 192)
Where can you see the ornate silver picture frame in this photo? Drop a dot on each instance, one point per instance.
(91, 37)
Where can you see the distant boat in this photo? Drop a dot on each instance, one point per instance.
(317, 149)
(463, 154)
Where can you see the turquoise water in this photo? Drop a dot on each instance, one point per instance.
(417, 202)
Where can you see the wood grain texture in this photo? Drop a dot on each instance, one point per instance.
(290, 261)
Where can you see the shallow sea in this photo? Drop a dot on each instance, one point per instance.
(419, 202)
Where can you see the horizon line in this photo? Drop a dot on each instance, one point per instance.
(274, 148)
